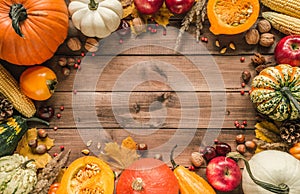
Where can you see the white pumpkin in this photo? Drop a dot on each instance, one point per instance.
(274, 167)
(96, 18)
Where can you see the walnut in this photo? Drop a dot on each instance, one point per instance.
(263, 26)
(267, 39)
(252, 36)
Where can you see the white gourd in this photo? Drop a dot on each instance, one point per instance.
(96, 18)
(274, 167)
(17, 175)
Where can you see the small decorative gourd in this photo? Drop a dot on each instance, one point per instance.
(276, 92)
(270, 172)
(17, 174)
(96, 18)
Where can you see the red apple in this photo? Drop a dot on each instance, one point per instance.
(148, 7)
(223, 173)
(287, 50)
(179, 6)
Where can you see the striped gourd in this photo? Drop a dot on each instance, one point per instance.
(276, 92)
(288, 7)
(286, 24)
(11, 131)
(10, 89)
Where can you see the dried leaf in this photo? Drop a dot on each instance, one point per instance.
(117, 156)
(129, 143)
(268, 125)
(23, 148)
(128, 10)
(262, 136)
(162, 16)
(126, 2)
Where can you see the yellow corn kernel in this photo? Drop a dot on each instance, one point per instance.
(288, 7)
(283, 23)
(10, 89)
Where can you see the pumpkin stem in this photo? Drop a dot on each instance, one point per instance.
(289, 95)
(279, 189)
(51, 85)
(174, 165)
(137, 184)
(35, 119)
(17, 14)
(93, 5)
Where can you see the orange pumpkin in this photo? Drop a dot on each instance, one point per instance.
(87, 174)
(147, 176)
(53, 188)
(31, 30)
(232, 17)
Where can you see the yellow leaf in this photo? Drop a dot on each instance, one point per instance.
(128, 10)
(129, 143)
(117, 156)
(23, 148)
(267, 125)
(260, 135)
(162, 16)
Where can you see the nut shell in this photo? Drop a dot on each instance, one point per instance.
(267, 39)
(252, 36)
(264, 26)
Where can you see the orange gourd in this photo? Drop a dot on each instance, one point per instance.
(87, 174)
(31, 30)
(295, 150)
(232, 17)
(147, 176)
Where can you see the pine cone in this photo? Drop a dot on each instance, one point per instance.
(290, 132)
(6, 109)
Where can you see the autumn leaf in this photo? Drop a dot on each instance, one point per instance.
(117, 156)
(23, 148)
(162, 16)
(128, 10)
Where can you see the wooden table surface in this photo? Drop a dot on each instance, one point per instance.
(161, 97)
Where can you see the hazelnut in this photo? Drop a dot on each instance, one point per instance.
(142, 146)
(240, 139)
(266, 39)
(241, 148)
(250, 145)
(197, 159)
(252, 36)
(42, 133)
(246, 76)
(263, 26)
(41, 149)
(138, 25)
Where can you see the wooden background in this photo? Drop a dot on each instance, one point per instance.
(160, 109)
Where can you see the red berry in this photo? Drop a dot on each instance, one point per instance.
(236, 123)
(55, 154)
(121, 41)
(55, 128)
(243, 84)
(216, 141)
(205, 39)
(61, 147)
(76, 65)
(242, 126)
(244, 122)
(237, 126)
(58, 115)
(191, 168)
(165, 32)
(62, 108)
(202, 39)
(93, 54)
(242, 59)
(82, 54)
(242, 92)
(78, 61)
(74, 91)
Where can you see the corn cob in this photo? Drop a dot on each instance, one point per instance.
(288, 7)
(286, 24)
(10, 89)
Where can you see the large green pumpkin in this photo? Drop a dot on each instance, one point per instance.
(276, 92)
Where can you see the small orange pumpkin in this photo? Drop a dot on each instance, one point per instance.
(31, 30)
(87, 174)
(232, 17)
(295, 150)
(147, 176)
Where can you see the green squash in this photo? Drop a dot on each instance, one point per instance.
(11, 131)
(276, 92)
(17, 174)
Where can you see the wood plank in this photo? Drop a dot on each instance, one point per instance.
(121, 73)
(183, 109)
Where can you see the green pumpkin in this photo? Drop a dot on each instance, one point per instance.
(276, 92)
(17, 175)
